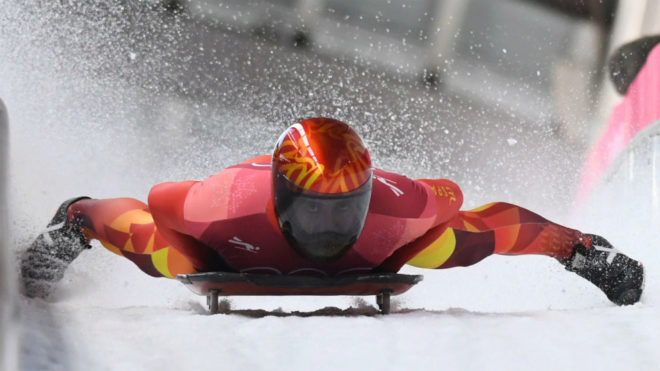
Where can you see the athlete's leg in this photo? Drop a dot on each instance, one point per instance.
(497, 228)
(501, 228)
(125, 227)
(514, 230)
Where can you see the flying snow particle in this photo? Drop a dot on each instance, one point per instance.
(511, 141)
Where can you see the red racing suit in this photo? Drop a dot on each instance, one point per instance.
(227, 223)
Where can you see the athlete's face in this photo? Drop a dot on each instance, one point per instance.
(316, 216)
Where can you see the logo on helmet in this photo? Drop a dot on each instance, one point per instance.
(323, 155)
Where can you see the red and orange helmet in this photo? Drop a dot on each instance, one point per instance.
(322, 187)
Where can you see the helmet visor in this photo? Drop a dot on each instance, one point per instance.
(322, 227)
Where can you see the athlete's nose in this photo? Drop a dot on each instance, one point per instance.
(338, 219)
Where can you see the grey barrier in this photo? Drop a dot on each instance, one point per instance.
(7, 291)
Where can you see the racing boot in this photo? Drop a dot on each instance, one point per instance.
(618, 276)
(43, 263)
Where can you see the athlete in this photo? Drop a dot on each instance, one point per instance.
(316, 207)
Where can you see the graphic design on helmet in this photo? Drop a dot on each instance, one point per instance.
(322, 187)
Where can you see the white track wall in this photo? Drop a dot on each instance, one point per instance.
(7, 335)
(636, 173)
(629, 193)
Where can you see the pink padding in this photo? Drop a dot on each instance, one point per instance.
(639, 108)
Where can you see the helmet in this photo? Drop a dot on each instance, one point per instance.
(321, 187)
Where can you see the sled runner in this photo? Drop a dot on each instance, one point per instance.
(215, 284)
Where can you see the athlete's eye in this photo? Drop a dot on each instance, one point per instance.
(312, 207)
(343, 206)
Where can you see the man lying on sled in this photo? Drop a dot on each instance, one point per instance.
(316, 207)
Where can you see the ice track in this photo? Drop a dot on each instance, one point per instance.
(109, 115)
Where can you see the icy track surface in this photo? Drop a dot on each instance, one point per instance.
(87, 117)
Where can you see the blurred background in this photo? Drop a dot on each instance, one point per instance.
(106, 98)
(476, 91)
